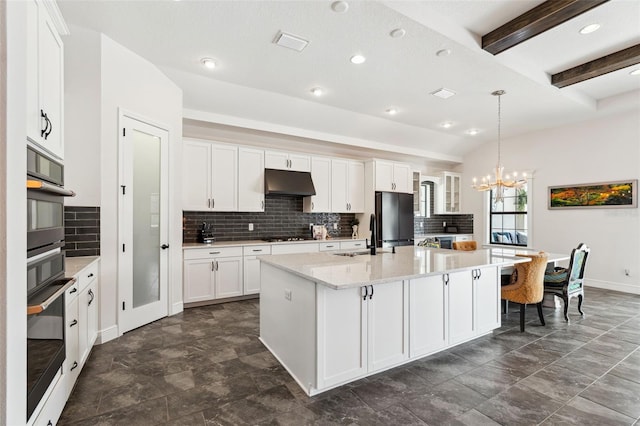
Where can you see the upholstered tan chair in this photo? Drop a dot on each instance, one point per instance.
(529, 285)
(465, 245)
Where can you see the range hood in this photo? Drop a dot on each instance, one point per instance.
(286, 182)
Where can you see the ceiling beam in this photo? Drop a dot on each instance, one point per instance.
(612, 62)
(541, 18)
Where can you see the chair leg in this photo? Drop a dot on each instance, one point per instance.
(539, 305)
(523, 306)
(566, 299)
(580, 304)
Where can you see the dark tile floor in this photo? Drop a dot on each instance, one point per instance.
(207, 367)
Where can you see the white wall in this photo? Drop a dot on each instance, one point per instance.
(82, 117)
(13, 245)
(595, 151)
(121, 80)
(133, 84)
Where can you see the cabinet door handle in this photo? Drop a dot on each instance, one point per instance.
(90, 275)
(445, 278)
(46, 135)
(262, 205)
(257, 250)
(214, 252)
(329, 246)
(357, 244)
(213, 203)
(209, 203)
(73, 290)
(74, 322)
(93, 296)
(366, 292)
(75, 365)
(312, 206)
(479, 273)
(371, 295)
(213, 268)
(49, 423)
(46, 123)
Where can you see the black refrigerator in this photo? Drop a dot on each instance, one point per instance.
(394, 217)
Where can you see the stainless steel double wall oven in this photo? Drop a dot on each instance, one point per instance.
(46, 283)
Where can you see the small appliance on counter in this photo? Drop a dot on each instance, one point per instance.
(205, 234)
(319, 232)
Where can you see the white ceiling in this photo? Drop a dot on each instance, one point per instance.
(259, 82)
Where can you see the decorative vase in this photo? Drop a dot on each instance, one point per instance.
(354, 234)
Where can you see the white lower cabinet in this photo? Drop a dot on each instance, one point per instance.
(449, 309)
(487, 300)
(251, 265)
(360, 330)
(71, 365)
(461, 306)
(428, 331)
(212, 273)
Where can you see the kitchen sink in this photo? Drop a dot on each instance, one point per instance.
(353, 253)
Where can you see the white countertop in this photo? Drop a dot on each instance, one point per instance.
(73, 265)
(188, 246)
(408, 262)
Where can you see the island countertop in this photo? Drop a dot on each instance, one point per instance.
(341, 272)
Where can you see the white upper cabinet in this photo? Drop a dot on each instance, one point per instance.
(210, 176)
(347, 186)
(393, 177)
(321, 176)
(287, 161)
(250, 180)
(451, 194)
(45, 80)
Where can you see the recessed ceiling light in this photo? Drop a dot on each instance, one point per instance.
(358, 59)
(443, 93)
(340, 6)
(635, 72)
(208, 63)
(473, 132)
(392, 111)
(290, 41)
(443, 52)
(589, 28)
(446, 125)
(317, 91)
(398, 33)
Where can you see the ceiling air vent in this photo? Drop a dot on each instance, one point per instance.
(443, 93)
(290, 41)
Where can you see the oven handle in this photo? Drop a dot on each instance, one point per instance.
(36, 309)
(47, 187)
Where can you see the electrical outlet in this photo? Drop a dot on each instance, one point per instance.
(311, 226)
(287, 294)
(335, 226)
(444, 224)
(251, 227)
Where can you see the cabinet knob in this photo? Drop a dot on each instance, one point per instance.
(73, 290)
(164, 246)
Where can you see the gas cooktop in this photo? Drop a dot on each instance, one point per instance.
(280, 239)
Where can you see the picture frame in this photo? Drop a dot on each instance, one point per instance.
(614, 194)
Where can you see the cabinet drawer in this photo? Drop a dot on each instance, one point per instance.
(256, 250)
(329, 246)
(72, 293)
(212, 252)
(352, 244)
(87, 275)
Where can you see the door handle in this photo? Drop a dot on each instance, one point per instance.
(164, 246)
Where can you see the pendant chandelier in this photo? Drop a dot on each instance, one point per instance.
(498, 182)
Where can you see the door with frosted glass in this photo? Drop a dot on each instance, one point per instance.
(142, 269)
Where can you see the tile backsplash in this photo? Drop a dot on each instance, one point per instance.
(433, 224)
(81, 231)
(282, 217)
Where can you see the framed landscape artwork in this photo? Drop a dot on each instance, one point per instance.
(618, 194)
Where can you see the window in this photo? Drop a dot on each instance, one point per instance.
(508, 219)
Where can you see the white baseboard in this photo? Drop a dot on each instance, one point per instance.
(176, 308)
(107, 334)
(607, 285)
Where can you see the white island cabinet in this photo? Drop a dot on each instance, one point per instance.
(331, 319)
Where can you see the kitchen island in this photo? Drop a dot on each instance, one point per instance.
(331, 318)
